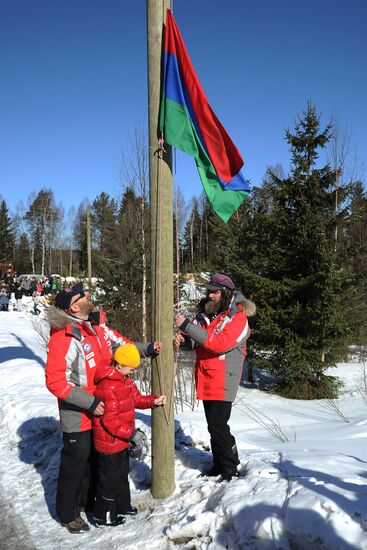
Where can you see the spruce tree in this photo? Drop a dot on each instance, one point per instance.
(22, 260)
(297, 280)
(223, 243)
(352, 251)
(103, 227)
(7, 233)
(80, 238)
(122, 270)
(192, 260)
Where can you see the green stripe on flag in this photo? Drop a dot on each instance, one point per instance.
(180, 132)
(224, 203)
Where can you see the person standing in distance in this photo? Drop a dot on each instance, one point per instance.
(218, 333)
(77, 346)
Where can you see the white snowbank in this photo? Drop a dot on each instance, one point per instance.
(307, 493)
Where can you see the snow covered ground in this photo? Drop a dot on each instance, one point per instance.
(308, 491)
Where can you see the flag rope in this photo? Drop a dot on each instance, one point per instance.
(176, 353)
(161, 150)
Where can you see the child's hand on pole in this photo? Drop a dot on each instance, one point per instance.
(161, 400)
(158, 346)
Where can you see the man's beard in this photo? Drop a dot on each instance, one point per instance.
(212, 307)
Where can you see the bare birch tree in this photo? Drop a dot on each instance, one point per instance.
(134, 174)
(71, 217)
(41, 218)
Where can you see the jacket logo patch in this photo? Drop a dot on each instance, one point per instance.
(219, 327)
(87, 346)
(90, 355)
(222, 323)
(91, 363)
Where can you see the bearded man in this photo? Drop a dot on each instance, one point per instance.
(219, 333)
(77, 346)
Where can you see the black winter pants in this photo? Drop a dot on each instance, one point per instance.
(113, 491)
(76, 485)
(223, 444)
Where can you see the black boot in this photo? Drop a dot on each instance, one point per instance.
(103, 523)
(132, 511)
(228, 476)
(214, 470)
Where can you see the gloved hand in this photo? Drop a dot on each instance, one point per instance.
(136, 444)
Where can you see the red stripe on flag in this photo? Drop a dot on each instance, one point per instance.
(223, 153)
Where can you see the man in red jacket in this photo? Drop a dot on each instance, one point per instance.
(219, 333)
(77, 347)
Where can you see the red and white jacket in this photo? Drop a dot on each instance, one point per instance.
(220, 351)
(113, 430)
(76, 348)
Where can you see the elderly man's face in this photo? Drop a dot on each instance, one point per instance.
(215, 296)
(214, 301)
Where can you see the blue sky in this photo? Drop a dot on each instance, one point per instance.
(74, 85)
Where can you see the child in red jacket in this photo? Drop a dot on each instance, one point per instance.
(112, 432)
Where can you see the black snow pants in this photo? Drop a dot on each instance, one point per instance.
(113, 491)
(76, 485)
(223, 444)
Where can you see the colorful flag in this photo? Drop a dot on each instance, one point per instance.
(189, 123)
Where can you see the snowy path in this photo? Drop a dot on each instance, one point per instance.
(307, 493)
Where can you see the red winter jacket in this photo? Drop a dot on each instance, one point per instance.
(76, 348)
(220, 351)
(113, 430)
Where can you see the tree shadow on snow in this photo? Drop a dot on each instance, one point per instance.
(186, 452)
(349, 494)
(264, 527)
(40, 444)
(19, 352)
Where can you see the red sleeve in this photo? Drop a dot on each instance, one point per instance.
(58, 362)
(141, 401)
(229, 337)
(116, 337)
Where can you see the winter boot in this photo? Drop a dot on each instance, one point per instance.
(228, 476)
(132, 511)
(76, 526)
(214, 471)
(103, 523)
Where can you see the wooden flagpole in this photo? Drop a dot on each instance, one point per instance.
(160, 178)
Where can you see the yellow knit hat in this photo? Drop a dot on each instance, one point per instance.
(127, 355)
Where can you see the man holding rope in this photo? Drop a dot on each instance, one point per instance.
(77, 346)
(218, 333)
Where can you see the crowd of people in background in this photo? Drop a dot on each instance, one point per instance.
(13, 287)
